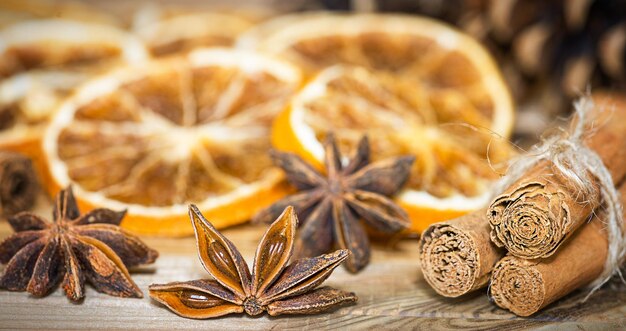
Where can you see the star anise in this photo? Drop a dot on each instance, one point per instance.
(272, 286)
(331, 206)
(70, 250)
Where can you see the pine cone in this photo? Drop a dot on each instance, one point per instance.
(573, 44)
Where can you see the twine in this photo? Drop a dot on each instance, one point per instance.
(575, 161)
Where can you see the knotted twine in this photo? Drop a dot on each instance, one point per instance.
(579, 165)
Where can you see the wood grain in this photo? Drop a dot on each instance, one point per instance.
(392, 295)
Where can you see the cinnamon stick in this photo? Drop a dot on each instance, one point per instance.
(526, 286)
(457, 256)
(538, 212)
(18, 184)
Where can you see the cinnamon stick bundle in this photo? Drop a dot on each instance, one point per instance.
(18, 184)
(457, 256)
(526, 286)
(535, 215)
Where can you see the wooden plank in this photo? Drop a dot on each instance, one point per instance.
(392, 294)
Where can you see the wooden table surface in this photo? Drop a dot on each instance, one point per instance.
(392, 295)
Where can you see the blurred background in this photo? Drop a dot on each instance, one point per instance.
(550, 52)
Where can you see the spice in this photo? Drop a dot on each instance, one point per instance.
(272, 286)
(331, 206)
(457, 256)
(71, 250)
(534, 215)
(18, 184)
(526, 286)
(588, 256)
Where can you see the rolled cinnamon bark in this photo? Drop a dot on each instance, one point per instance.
(535, 215)
(457, 256)
(526, 286)
(18, 184)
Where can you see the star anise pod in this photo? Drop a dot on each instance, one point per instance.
(70, 250)
(273, 286)
(331, 206)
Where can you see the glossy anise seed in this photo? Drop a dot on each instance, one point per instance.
(333, 205)
(70, 250)
(272, 286)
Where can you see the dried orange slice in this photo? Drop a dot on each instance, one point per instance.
(42, 61)
(153, 138)
(168, 33)
(64, 44)
(26, 102)
(415, 86)
(13, 11)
